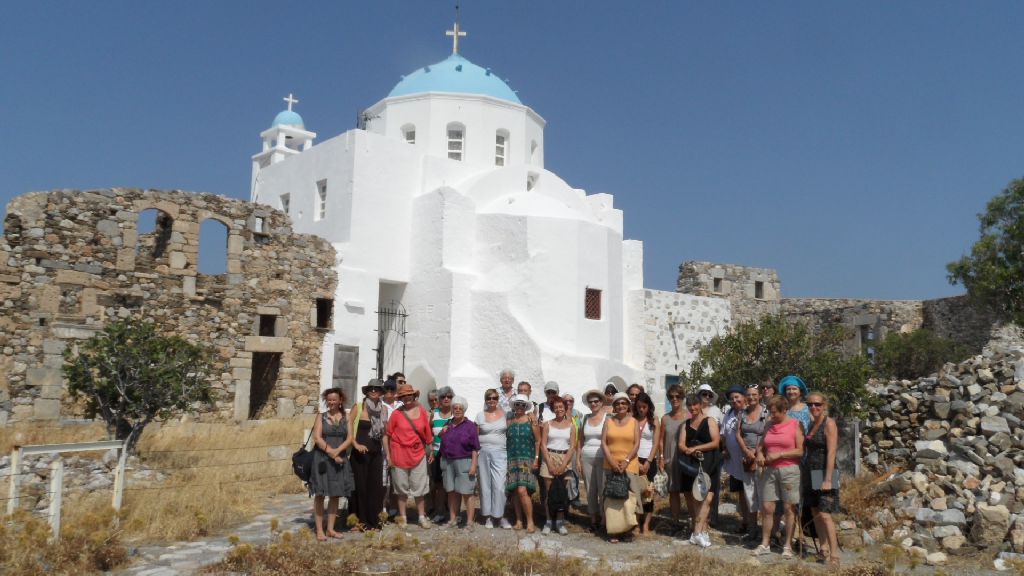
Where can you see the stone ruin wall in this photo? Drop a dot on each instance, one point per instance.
(737, 284)
(70, 260)
(878, 317)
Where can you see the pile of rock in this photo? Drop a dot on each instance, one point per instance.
(956, 444)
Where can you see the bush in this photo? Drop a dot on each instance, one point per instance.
(915, 354)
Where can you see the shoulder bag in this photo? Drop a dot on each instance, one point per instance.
(302, 459)
(616, 486)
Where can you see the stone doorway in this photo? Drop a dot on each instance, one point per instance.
(265, 368)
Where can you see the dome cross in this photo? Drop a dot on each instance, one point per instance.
(455, 32)
(290, 100)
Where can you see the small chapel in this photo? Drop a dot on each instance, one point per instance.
(459, 254)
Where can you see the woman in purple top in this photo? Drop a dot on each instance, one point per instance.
(460, 446)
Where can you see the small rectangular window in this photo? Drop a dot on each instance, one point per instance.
(410, 136)
(592, 304)
(321, 199)
(268, 323)
(455, 141)
(759, 290)
(286, 200)
(499, 150)
(717, 289)
(324, 308)
(259, 224)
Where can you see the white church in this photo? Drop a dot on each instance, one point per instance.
(460, 254)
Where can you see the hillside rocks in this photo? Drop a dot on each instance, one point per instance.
(953, 447)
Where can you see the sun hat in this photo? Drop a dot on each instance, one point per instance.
(736, 389)
(373, 383)
(520, 399)
(589, 393)
(407, 389)
(551, 385)
(620, 396)
(708, 388)
(792, 380)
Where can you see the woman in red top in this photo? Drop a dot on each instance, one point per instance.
(406, 440)
(778, 455)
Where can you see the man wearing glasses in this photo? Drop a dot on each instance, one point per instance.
(506, 391)
(550, 393)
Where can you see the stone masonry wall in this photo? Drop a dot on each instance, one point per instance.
(751, 292)
(960, 320)
(674, 325)
(869, 320)
(70, 260)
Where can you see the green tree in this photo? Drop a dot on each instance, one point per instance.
(993, 273)
(130, 375)
(915, 354)
(768, 349)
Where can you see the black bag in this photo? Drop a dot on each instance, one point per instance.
(302, 459)
(616, 486)
(690, 465)
(558, 496)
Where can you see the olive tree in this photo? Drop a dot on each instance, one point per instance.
(993, 273)
(130, 375)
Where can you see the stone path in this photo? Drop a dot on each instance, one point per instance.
(293, 513)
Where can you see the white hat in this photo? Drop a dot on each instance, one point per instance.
(621, 396)
(520, 399)
(708, 388)
(551, 385)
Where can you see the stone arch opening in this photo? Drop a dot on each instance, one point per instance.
(213, 247)
(153, 234)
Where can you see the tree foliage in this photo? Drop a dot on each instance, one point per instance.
(130, 375)
(766, 350)
(915, 354)
(993, 273)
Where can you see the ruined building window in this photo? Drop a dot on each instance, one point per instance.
(286, 200)
(213, 247)
(259, 225)
(456, 141)
(153, 230)
(717, 286)
(592, 304)
(321, 199)
(499, 147)
(759, 290)
(268, 324)
(324, 309)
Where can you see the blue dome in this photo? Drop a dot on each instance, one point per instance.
(455, 74)
(288, 118)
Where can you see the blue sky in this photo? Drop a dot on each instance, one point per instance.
(849, 145)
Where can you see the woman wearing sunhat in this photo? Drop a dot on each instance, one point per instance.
(368, 418)
(406, 441)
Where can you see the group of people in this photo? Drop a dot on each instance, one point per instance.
(775, 443)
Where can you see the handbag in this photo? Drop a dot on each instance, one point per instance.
(690, 464)
(660, 483)
(572, 486)
(818, 476)
(302, 459)
(701, 484)
(616, 486)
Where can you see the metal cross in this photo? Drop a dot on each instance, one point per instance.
(290, 100)
(455, 33)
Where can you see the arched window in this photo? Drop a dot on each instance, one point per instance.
(153, 232)
(456, 140)
(500, 147)
(213, 247)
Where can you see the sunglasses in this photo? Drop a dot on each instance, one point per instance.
(674, 397)
(816, 404)
(448, 396)
(622, 403)
(594, 401)
(706, 394)
(491, 398)
(376, 390)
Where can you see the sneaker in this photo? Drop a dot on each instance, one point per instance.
(704, 540)
(762, 550)
(505, 524)
(425, 523)
(693, 539)
(562, 529)
(488, 524)
(787, 552)
(546, 529)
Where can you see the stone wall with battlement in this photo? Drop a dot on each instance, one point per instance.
(71, 260)
(752, 292)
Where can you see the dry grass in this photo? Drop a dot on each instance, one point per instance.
(860, 498)
(35, 433)
(295, 554)
(90, 542)
(219, 476)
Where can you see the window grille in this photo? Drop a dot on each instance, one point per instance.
(592, 305)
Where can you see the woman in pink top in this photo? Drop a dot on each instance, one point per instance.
(778, 455)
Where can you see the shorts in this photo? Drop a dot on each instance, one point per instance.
(412, 482)
(826, 501)
(781, 483)
(455, 475)
(556, 458)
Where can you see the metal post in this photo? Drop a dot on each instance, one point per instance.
(12, 491)
(119, 476)
(56, 488)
